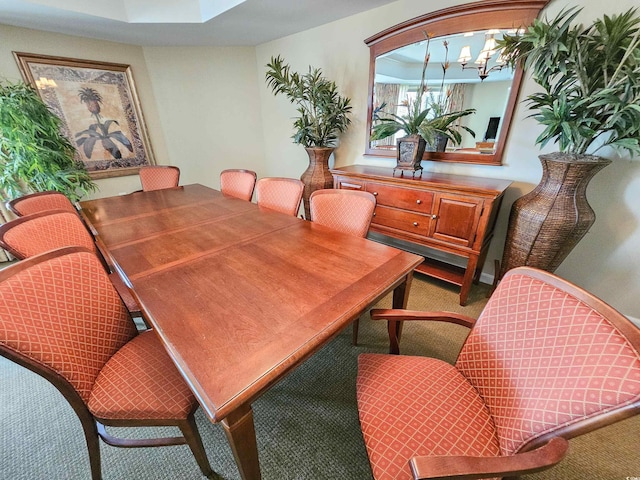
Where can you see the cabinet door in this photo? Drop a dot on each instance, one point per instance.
(456, 219)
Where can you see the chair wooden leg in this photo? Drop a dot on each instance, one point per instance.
(194, 440)
(93, 445)
(354, 337)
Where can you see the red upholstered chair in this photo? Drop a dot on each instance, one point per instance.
(545, 361)
(37, 233)
(238, 183)
(40, 202)
(61, 318)
(348, 211)
(280, 194)
(158, 177)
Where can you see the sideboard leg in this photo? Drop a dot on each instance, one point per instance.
(468, 279)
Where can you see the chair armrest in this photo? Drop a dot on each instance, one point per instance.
(402, 315)
(463, 467)
(395, 318)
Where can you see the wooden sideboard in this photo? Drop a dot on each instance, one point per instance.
(454, 214)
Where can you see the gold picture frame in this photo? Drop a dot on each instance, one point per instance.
(99, 108)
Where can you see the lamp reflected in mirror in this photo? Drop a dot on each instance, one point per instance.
(486, 55)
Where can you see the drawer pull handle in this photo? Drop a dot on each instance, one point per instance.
(375, 194)
(374, 214)
(434, 216)
(415, 224)
(418, 202)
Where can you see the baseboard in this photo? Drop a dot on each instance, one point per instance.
(487, 278)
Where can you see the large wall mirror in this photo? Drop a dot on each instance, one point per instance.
(476, 77)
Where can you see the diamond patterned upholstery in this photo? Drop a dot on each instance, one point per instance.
(545, 359)
(158, 177)
(40, 202)
(65, 314)
(61, 317)
(140, 381)
(540, 357)
(391, 403)
(280, 194)
(348, 211)
(37, 233)
(33, 234)
(238, 183)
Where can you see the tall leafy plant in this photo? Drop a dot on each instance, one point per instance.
(323, 112)
(590, 78)
(34, 155)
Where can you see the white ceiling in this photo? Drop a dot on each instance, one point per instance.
(180, 22)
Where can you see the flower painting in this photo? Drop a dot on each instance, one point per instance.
(98, 105)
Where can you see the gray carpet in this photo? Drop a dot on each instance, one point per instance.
(307, 425)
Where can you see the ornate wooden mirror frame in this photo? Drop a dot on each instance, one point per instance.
(483, 15)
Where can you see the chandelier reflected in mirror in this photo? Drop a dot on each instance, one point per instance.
(487, 54)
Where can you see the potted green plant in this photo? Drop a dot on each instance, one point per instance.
(323, 116)
(34, 155)
(590, 99)
(429, 119)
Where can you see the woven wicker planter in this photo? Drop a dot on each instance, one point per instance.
(547, 223)
(317, 175)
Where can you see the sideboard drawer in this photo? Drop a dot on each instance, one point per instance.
(401, 220)
(348, 184)
(406, 198)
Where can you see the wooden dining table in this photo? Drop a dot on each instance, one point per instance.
(240, 295)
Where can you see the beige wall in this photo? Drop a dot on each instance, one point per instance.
(209, 108)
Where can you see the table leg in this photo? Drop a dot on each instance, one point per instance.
(241, 434)
(400, 297)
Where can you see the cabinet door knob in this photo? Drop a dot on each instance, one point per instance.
(415, 224)
(418, 202)
(374, 214)
(375, 194)
(434, 216)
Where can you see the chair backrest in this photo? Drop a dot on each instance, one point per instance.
(40, 202)
(158, 177)
(34, 234)
(61, 316)
(550, 359)
(348, 211)
(238, 183)
(280, 194)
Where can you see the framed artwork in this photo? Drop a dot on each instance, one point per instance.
(99, 108)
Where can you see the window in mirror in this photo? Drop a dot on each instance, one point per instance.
(464, 71)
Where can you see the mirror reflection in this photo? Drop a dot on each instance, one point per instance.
(463, 71)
